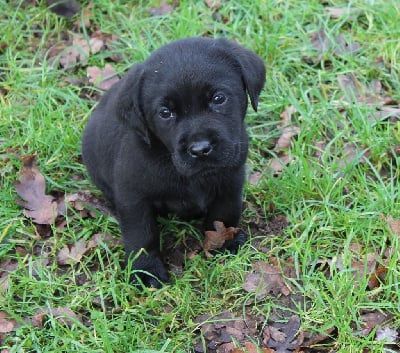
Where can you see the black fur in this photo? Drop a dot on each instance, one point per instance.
(171, 137)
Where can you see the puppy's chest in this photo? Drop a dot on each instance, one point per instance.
(187, 201)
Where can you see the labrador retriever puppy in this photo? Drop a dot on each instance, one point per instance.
(170, 137)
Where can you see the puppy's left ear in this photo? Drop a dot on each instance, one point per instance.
(252, 67)
(128, 107)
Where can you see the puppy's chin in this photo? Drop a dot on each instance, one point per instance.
(188, 171)
(189, 167)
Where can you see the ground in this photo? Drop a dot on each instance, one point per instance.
(320, 272)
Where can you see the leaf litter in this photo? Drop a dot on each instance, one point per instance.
(218, 332)
(31, 187)
(266, 279)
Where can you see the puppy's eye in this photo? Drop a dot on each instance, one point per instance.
(165, 113)
(218, 98)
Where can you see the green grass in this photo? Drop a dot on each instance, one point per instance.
(330, 205)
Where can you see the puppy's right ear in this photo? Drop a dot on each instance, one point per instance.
(129, 108)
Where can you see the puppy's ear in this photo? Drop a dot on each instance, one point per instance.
(129, 107)
(252, 67)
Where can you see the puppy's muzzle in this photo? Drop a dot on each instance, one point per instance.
(200, 149)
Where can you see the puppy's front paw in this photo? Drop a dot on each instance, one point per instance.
(149, 270)
(239, 239)
(224, 239)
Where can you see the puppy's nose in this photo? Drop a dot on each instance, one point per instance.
(200, 149)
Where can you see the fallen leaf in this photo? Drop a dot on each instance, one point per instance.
(6, 267)
(102, 78)
(286, 337)
(7, 324)
(386, 334)
(37, 319)
(394, 225)
(220, 329)
(99, 238)
(369, 321)
(72, 254)
(317, 337)
(215, 239)
(31, 187)
(228, 347)
(287, 128)
(65, 316)
(371, 95)
(377, 277)
(80, 50)
(213, 4)
(352, 155)
(276, 165)
(251, 347)
(84, 201)
(386, 112)
(361, 265)
(255, 178)
(163, 9)
(264, 280)
(337, 45)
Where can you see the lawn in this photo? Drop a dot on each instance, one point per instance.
(321, 270)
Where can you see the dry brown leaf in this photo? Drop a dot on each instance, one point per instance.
(370, 321)
(371, 94)
(7, 324)
(84, 201)
(264, 280)
(387, 334)
(80, 50)
(6, 266)
(338, 45)
(317, 337)
(236, 350)
(215, 239)
(65, 316)
(352, 155)
(37, 319)
(31, 187)
(221, 329)
(394, 224)
(287, 128)
(164, 9)
(213, 4)
(276, 165)
(228, 347)
(285, 139)
(251, 347)
(102, 78)
(73, 254)
(255, 178)
(286, 337)
(377, 277)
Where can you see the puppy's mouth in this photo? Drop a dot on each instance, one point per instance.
(211, 163)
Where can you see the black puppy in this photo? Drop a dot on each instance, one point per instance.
(171, 137)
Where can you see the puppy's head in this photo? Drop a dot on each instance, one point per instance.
(190, 97)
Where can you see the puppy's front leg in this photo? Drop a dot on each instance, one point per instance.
(227, 208)
(142, 243)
